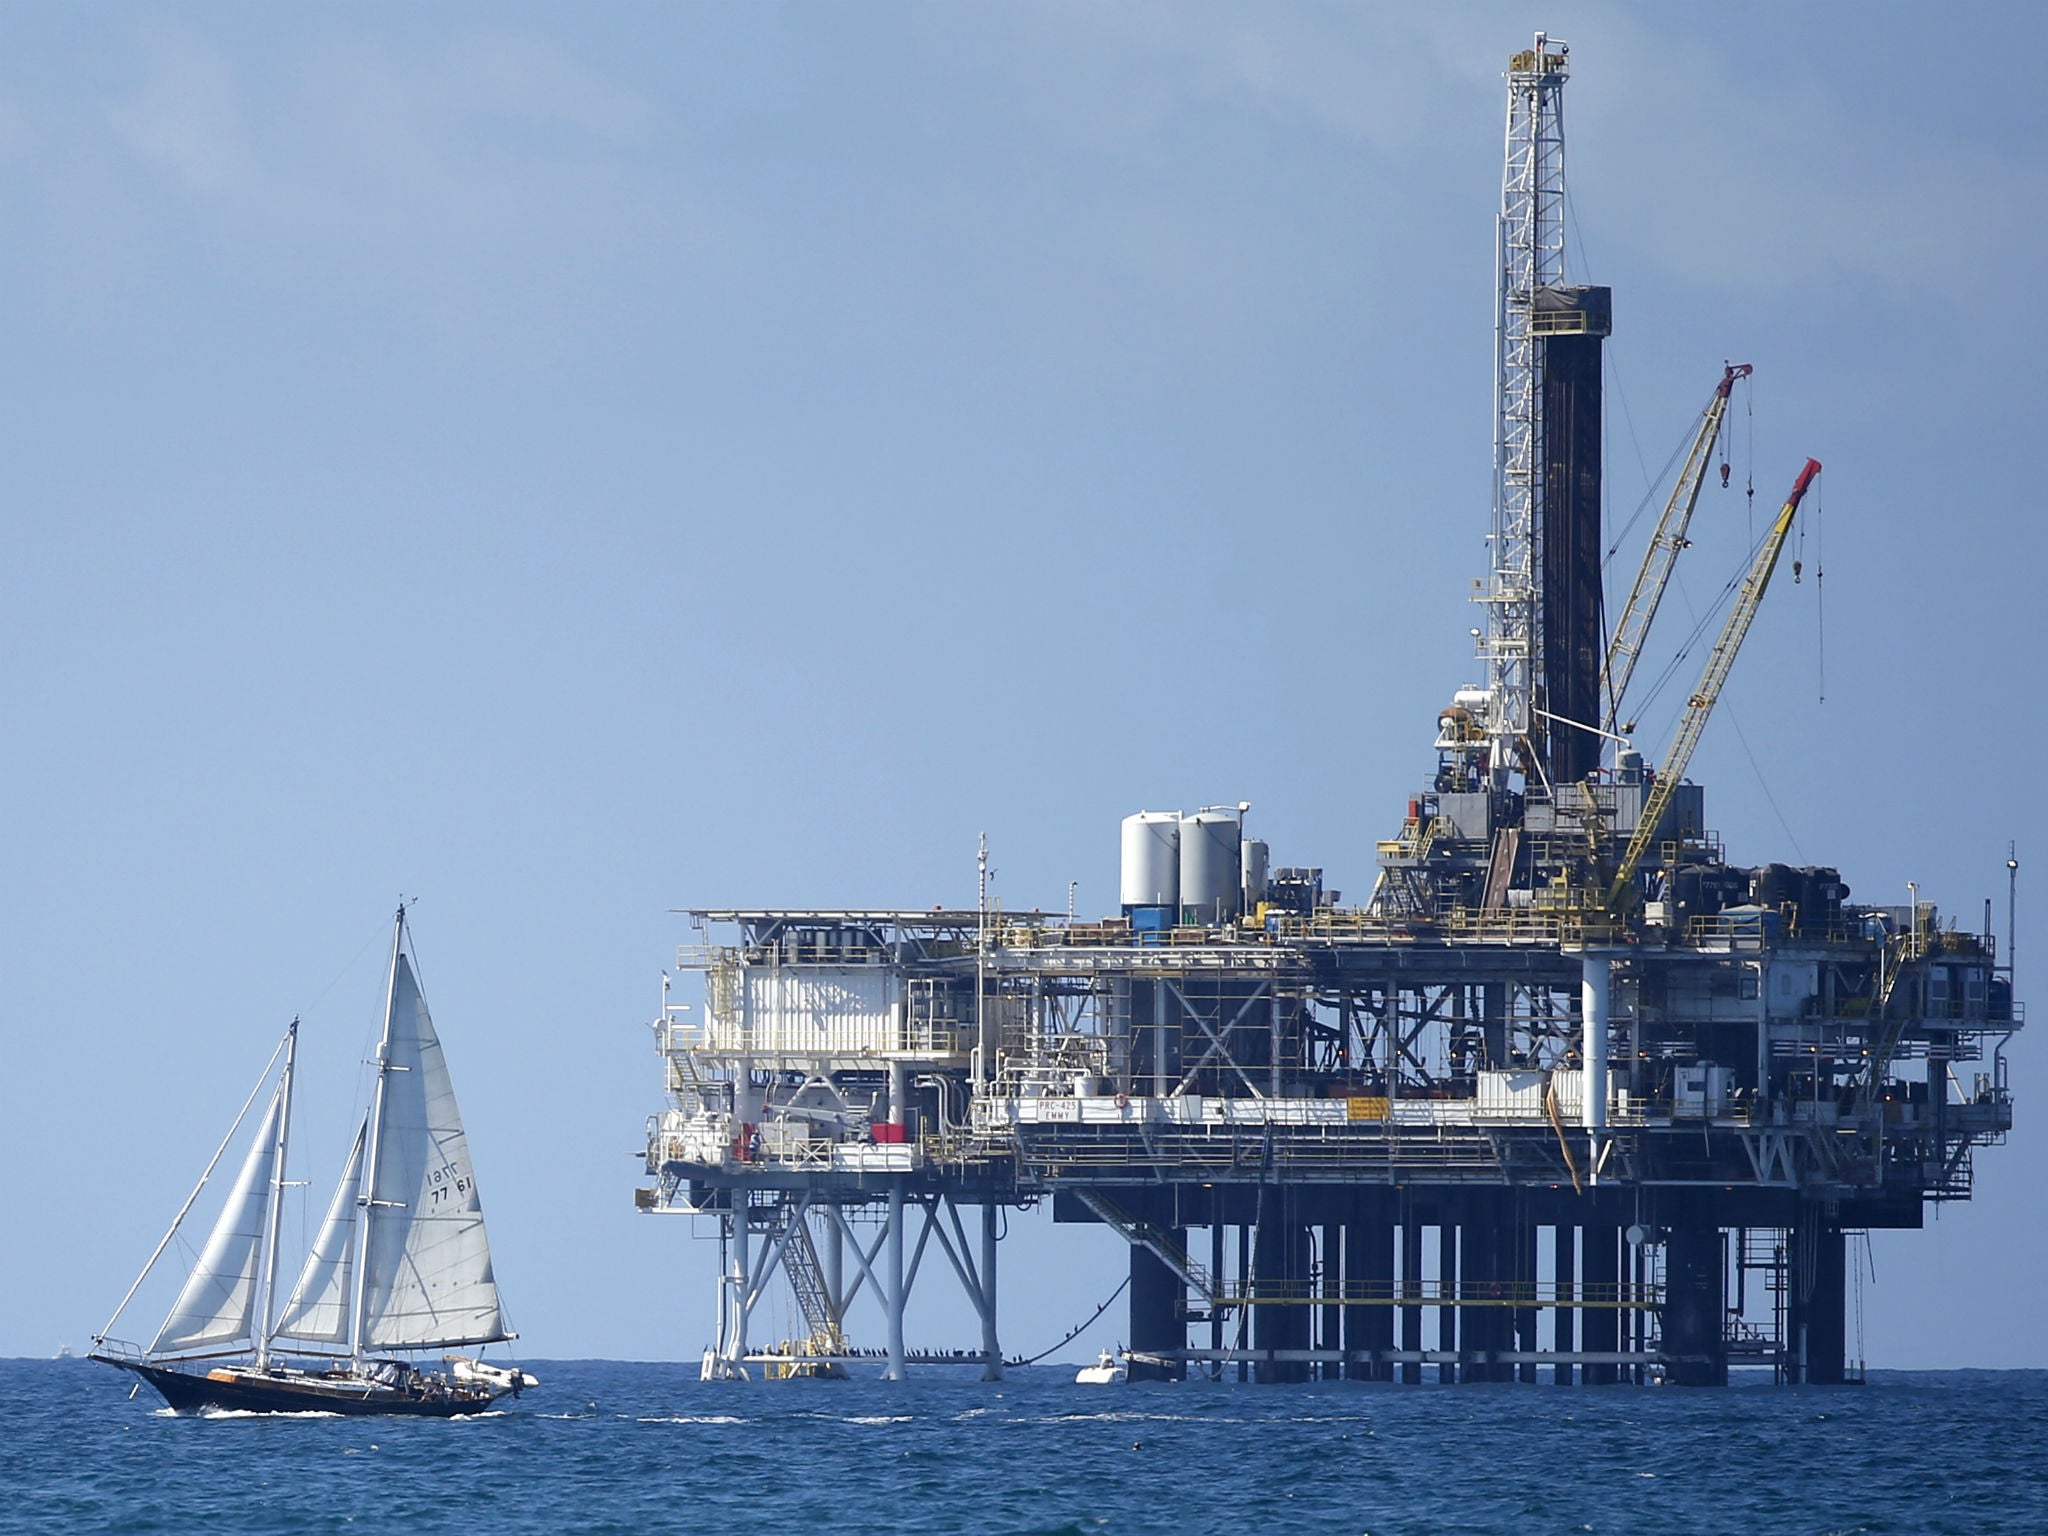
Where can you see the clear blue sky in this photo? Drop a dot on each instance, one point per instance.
(568, 463)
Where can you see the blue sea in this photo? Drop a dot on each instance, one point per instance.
(605, 1446)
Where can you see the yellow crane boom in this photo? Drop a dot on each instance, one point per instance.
(1626, 648)
(1747, 600)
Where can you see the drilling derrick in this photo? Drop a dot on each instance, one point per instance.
(1542, 643)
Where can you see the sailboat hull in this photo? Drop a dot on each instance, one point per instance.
(242, 1390)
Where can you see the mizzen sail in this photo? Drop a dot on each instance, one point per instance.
(427, 1280)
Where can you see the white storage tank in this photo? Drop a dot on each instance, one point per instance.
(1150, 874)
(1255, 855)
(1211, 879)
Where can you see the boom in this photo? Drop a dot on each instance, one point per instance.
(1747, 600)
(1626, 647)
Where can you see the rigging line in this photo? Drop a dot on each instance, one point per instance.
(353, 961)
(1063, 1343)
(1644, 505)
(1699, 629)
(1628, 417)
(1575, 232)
(366, 1079)
(1761, 782)
(412, 949)
(1749, 407)
(178, 1220)
(1820, 601)
(1749, 470)
(376, 939)
(1721, 599)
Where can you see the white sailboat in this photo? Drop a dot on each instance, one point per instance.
(401, 1263)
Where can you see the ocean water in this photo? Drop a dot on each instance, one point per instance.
(605, 1446)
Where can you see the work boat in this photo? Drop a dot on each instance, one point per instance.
(401, 1265)
(1108, 1370)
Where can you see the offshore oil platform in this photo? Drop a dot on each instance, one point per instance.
(1571, 1093)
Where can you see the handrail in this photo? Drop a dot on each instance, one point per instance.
(1582, 1295)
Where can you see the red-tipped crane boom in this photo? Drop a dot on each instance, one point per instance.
(1747, 600)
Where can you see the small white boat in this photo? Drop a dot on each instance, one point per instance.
(1108, 1370)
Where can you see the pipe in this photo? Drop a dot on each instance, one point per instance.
(1597, 980)
(899, 1090)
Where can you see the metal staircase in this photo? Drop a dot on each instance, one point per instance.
(1156, 1240)
(807, 1280)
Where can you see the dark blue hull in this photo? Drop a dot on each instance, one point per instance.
(246, 1391)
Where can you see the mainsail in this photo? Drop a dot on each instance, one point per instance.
(217, 1306)
(317, 1311)
(426, 1280)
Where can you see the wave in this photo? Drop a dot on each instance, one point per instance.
(691, 1418)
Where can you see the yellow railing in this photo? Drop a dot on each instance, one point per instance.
(1603, 1296)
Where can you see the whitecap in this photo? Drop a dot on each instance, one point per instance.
(691, 1418)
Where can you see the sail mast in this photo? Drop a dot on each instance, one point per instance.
(274, 1218)
(367, 1201)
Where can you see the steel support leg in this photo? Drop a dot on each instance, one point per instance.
(1565, 1283)
(1157, 1297)
(1447, 1290)
(833, 1262)
(991, 1345)
(740, 1281)
(1819, 1311)
(1369, 1278)
(893, 1301)
(1411, 1290)
(1332, 1287)
(1600, 1284)
(1695, 1346)
(1524, 1280)
(1280, 1274)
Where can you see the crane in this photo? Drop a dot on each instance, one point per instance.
(1626, 647)
(1748, 598)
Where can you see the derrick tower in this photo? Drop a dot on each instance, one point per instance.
(1541, 644)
